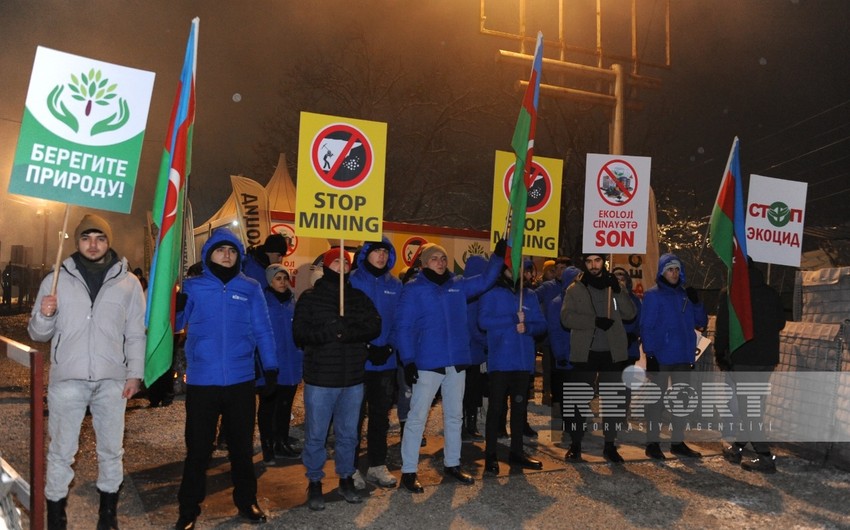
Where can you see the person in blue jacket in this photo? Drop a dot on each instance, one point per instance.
(372, 276)
(511, 351)
(559, 338)
(226, 321)
(476, 382)
(670, 315)
(275, 409)
(631, 325)
(259, 257)
(433, 340)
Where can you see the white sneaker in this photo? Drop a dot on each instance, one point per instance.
(359, 483)
(381, 476)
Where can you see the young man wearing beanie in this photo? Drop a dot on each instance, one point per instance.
(593, 310)
(98, 311)
(227, 321)
(275, 409)
(670, 313)
(433, 341)
(372, 276)
(335, 352)
(259, 257)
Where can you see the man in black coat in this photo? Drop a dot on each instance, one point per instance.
(752, 362)
(334, 344)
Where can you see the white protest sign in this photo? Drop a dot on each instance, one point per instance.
(775, 214)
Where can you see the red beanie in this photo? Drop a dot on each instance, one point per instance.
(334, 253)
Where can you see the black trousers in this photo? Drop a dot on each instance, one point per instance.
(661, 375)
(274, 413)
(515, 385)
(474, 389)
(236, 406)
(756, 374)
(600, 368)
(378, 391)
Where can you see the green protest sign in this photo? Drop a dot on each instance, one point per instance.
(82, 131)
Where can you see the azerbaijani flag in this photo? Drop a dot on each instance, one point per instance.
(730, 243)
(167, 213)
(523, 145)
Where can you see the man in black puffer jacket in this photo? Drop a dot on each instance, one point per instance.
(335, 354)
(752, 362)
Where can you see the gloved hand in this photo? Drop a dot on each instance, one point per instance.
(268, 389)
(411, 374)
(378, 355)
(614, 283)
(501, 248)
(693, 295)
(723, 360)
(180, 301)
(604, 323)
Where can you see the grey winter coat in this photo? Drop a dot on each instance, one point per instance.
(93, 341)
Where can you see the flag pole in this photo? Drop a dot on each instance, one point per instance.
(341, 277)
(59, 250)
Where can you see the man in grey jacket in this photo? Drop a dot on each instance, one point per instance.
(95, 322)
(593, 310)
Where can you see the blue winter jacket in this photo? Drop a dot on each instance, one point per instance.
(668, 319)
(507, 350)
(559, 336)
(225, 324)
(290, 359)
(431, 329)
(385, 292)
(475, 264)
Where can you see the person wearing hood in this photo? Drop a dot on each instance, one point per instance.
(433, 340)
(372, 276)
(275, 409)
(258, 258)
(670, 315)
(593, 310)
(227, 321)
(548, 289)
(752, 362)
(476, 382)
(95, 321)
(632, 325)
(559, 338)
(511, 329)
(334, 341)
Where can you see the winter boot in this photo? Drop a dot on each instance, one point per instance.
(471, 427)
(56, 517)
(348, 491)
(315, 499)
(268, 451)
(108, 514)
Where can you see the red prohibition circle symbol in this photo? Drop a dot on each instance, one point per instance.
(410, 250)
(341, 156)
(617, 182)
(288, 232)
(540, 190)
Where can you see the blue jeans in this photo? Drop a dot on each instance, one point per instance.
(321, 404)
(452, 385)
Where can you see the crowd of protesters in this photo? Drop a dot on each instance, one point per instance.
(362, 341)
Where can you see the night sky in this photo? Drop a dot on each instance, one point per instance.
(773, 72)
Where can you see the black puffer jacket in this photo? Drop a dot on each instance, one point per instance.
(768, 321)
(334, 346)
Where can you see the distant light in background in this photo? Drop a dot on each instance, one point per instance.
(762, 61)
(237, 97)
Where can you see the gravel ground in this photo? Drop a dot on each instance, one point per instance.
(707, 493)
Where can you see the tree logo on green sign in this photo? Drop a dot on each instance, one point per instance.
(779, 214)
(91, 89)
